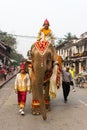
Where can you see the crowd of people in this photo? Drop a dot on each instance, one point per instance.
(22, 82)
(6, 71)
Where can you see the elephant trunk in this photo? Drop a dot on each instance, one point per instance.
(39, 72)
(40, 93)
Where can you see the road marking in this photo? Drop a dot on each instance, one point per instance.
(83, 102)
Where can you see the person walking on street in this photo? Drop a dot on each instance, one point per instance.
(22, 86)
(72, 71)
(66, 79)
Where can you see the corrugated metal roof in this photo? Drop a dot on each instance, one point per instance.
(2, 46)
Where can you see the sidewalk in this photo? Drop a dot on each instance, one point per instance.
(9, 77)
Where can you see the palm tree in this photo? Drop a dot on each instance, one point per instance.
(69, 36)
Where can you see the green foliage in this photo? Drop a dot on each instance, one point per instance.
(11, 42)
(8, 39)
(69, 36)
(59, 43)
(16, 56)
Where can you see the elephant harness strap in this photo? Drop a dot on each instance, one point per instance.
(48, 74)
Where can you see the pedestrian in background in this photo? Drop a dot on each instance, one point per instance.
(72, 71)
(66, 79)
(4, 72)
(22, 86)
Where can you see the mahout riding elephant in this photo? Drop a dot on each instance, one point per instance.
(43, 56)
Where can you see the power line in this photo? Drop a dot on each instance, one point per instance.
(26, 36)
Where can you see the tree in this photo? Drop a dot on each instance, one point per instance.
(60, 42)
(69, 36)
(16, 56)
(10, 41)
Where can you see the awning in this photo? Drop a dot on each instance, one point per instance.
(2, 46)
(12, 60)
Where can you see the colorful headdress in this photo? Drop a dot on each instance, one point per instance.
(22, 67)
(46, 22)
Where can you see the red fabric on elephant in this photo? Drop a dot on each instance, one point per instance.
(35, 103)
(48, 74)
(41, 46)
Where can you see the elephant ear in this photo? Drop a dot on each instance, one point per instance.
(53, 51)
(32, 47)
(59, 59)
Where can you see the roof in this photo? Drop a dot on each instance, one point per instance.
(5, 46)
(2, 46)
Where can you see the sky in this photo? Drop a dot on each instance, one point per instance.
(26, 17)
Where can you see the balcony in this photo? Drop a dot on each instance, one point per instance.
(75, 55)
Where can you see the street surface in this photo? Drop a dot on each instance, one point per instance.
(69, 116)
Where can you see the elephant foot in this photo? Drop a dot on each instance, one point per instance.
(36, 113)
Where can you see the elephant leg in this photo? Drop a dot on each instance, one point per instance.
(46, 96)
(35, 102)
(38, 105)
(42, 105)
(35, 108)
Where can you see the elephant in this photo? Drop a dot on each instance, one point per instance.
(42, 64)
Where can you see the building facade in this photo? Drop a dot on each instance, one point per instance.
(74, 52)
(4, 53)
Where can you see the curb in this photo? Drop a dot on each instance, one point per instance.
(1, 85)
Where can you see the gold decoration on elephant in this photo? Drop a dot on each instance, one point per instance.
(35, 103)
(42, 61)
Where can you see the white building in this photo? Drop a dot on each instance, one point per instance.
(74, 52)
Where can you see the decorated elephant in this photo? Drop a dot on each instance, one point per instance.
(45, 76)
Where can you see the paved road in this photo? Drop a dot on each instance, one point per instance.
(70, 116)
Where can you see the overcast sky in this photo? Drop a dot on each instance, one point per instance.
(25, 17)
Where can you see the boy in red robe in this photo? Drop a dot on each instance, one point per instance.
(22, 86)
